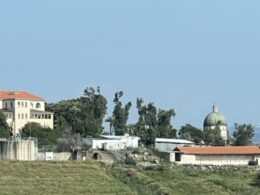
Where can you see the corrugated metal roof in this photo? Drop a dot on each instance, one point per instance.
(176, 141)
(117, 137)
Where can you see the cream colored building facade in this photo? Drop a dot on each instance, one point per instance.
(21, 107)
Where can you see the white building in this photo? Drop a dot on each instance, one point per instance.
(229, 155)
(107, 142)
(168, 145)
(216, 119)
(21, 107)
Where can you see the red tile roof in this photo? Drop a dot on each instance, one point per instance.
(21, 95)
(220, 150)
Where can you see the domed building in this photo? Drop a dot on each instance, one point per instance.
(214, 119)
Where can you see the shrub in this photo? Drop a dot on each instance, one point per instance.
(130, 161)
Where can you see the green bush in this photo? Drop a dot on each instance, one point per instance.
(130, 161)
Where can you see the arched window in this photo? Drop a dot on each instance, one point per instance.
(25, 104)
(22, 104)
(18, 104)
(38, 105)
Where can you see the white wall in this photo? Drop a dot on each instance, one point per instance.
(215, 159)
(112, 144)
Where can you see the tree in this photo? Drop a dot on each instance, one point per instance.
(243, 134)
(45, 136)
(213, 137)
(153, 123)
(120, 115)
(165, 129)
(191, 133)
(110, 120)
(83, 115)
(4, 128)
(147, 122)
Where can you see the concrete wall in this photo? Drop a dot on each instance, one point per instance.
(61, 156)
(18, 150)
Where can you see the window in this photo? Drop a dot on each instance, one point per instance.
(22, 104)
(38, 105)
(22, 116)
(11, 104)
(19, 116)
(25, 115)
(25, 104)
(5, 104)
(31, 105)
(18, 104)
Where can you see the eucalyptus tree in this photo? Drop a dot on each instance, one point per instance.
(153, 123)
(120, 114)
(243, 134)
(191, 133)
(165, 128)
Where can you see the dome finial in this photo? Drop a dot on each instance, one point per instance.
(215, 108)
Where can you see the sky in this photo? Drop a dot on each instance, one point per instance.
(186, 55)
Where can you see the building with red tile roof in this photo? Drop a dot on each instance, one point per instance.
(219, 155)
(18, 95)
(21, 107)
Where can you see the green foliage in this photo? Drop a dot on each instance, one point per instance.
(4, 128)
(83, 115)
(45, 136)
(213, 137)
(165, 129)
(153, 123)
(191, 133)
(130, 161)
(243, 134)
(120, 115)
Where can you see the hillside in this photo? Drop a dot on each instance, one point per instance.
(69, 177)
(90, 177)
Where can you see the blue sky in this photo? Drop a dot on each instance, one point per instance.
(185, 55)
